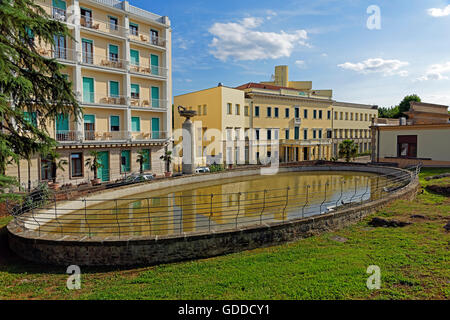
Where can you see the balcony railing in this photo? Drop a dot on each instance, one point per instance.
(59, 53)
(105, 136)
(153, 135)
(59, 14)
(92, 98)
(149, 70)
(148, 39)
(103, 26)
(148, 103)
(104, 61)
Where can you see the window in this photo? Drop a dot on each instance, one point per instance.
(134, 57)
(238, 109)
(269, 112)
(114, 89)
(314, 134)
(276, 112)
(135, 124)
(346, 116)
(297, 133)
(257, 134)
(329, 115)
(269, 134)
(154, 36)
(356, 116)
(365, 117)
(297, 112)
(76, 165)
(256, 111)
(329, 134)
(135, 91)
(229, 106)
(335, 115)
(320, 134)
(113, 23)
(286, 113)
(125, 161)
(87, 47)
(113, 53)
(320, 114)
(305, 114)
(114, 123)
(286, 134)
(205, 110)
(305, 134)
(86, 17)
(134, 29)
(60, 47)
(246, 111)
(31, 118)
(199, 110)
(147, 165)
(341, 116)
(351, 116)
(314, 114)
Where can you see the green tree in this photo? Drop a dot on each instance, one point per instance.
(93, 163)
(167, 157)
(141, 159)
(405, 104)
(348, 150)
(31, 86)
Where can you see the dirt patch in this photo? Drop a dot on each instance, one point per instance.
(380, 222)
(443, 190)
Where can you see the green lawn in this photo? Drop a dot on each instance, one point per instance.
(414, 264)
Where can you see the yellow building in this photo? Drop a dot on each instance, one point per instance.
(120, 66)
(282, 119)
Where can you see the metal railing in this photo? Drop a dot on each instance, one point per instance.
(60, 53)
(103, 61)
(93, 98)
(103, 26)
(148, 39)
(206, 212)
(149, 70)
(148, 103)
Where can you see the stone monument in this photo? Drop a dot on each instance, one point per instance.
(188, 166)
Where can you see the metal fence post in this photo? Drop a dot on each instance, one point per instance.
(307, 200)
(210, 211)
(287, 200)
(149, 217)
(239, 208)
(324, 200)
(39, 225)
(342, 192)
(263, 208)
(354, 195)
(85, 218)
(367, 189)
(56, 216)
(117, 217)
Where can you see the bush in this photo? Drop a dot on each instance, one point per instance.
(216, 168)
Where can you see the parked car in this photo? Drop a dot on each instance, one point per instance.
(202, 170)
(131, 179)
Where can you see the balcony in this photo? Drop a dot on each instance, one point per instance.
(102, 26)
(149, 39)
(59, 53)
(89, 136)
(148, 103)
(297, 121)
(103, 61)
(59, 14)
(95, 99)
(149, 70)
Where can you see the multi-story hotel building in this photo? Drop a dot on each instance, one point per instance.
(307, 124)
(120, 66)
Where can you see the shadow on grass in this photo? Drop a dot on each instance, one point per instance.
(10, 262)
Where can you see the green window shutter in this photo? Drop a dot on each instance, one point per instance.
(59, 4)
(88, 90)
(87, 41)
(134, 25)
(115, 121)
(125, 161)
(135, 89)
(113, 89)
(155, 97)
(147, 165)
(31, 118)
(113, 49)
(62, 123)
(89, 118)
(135, 124)
(134, 54)
(155, 64)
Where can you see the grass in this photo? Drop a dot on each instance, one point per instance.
(414, 264)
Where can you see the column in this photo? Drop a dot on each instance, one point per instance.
(78, 77)
(127, 82)
(188, 147)
(167, 87)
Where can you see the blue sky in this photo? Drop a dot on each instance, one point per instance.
(324, 41)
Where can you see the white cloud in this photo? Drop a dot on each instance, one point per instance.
(240, 41)
(270, 14)
(436, 72)
(438, 13)
(301, 64)
(378, 65)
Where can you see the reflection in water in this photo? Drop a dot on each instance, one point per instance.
(222, 205)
